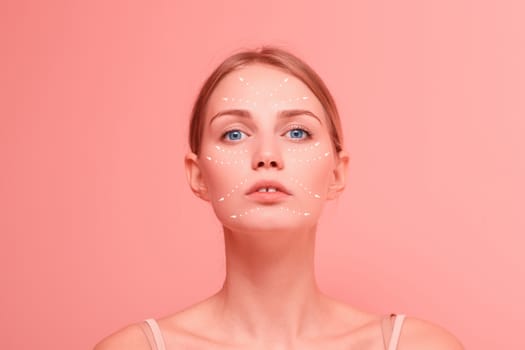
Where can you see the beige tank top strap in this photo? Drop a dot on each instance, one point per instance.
(151, 329)
(391, 327)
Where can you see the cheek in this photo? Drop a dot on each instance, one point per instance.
(310, 167)
(224, 171)
(221, 156)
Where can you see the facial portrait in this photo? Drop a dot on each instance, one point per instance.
(267, 161)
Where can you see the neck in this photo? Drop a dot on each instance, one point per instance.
(270, 290)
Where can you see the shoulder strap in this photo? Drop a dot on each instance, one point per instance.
(396, 332)
(158, 341)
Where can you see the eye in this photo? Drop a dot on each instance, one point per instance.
(233, 135)
(298, 133)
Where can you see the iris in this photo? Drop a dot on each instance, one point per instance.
(234, 135)
(298, 133)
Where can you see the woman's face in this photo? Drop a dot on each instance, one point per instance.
(267, 161)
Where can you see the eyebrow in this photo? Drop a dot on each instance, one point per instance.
(282, 114)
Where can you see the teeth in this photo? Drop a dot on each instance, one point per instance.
(267, 189)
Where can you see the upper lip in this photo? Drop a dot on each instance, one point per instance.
(265, 184)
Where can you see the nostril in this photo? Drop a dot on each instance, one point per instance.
(272, 164)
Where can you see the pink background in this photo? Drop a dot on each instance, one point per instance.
(99, 227)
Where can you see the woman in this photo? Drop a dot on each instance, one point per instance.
(267, 152)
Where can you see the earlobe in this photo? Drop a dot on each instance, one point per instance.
(194, 176)
(339, 176)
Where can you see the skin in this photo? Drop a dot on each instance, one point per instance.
(270, 298)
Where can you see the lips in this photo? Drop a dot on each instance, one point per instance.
(267, 184)
(268, 192)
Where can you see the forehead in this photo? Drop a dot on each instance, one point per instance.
(262, 87)
(260, 76)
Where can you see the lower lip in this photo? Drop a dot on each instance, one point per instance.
(268, 197)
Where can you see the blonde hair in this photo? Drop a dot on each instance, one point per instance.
(275, 57)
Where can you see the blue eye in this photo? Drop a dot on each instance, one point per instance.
(233, 135)
(298, 133)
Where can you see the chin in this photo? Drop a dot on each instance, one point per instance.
(269, 223)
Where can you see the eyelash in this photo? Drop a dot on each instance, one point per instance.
(309, 134)
(230, 130)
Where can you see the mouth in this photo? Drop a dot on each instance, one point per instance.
(268, 192)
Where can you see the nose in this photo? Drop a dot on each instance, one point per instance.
(267, 156)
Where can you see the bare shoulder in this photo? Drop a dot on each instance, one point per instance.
(130, 337)
(421, 334)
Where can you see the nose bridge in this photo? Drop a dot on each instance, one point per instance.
(267, 152)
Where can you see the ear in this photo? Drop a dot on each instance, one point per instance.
(339, 175)
(195, 177)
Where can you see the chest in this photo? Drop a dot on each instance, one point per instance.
(366, 340)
